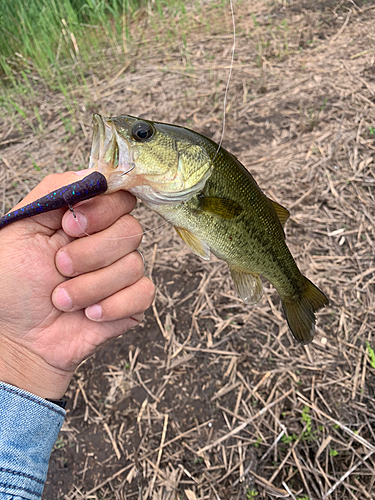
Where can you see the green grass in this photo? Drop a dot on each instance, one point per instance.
(54, 45)
(42, 36)
(371, 354)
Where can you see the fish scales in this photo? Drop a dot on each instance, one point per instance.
(251, 241)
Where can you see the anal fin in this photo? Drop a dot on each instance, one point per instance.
(248, 285)
(196, 245)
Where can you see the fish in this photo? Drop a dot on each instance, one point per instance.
(209, 197)
(214, 204)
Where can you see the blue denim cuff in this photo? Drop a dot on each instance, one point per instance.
(29, 426)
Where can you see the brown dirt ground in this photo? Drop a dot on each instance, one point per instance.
(209, 398)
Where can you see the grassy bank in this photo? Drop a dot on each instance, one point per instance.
(54, 45)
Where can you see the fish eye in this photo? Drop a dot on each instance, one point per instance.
(142, 131)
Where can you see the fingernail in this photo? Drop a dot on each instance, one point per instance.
(84, 172)
(64, 264)
(141, 254)
(94, 312)
(76, 224)
(138, 317)
(62, 299)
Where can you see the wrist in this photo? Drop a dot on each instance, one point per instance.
(28, 371)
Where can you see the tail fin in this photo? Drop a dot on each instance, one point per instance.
(300, 312)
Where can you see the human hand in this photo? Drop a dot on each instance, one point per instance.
(55, 281)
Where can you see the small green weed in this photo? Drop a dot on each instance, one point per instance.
(370, 352)
(306, 417)
(288, 439)
(256, 24)
(371, 131)
(251, 493)
(333, 453)
(257, 442)
(60, 443)
(308, 434)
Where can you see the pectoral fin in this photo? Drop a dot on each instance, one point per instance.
(196, 245)
(220, 207)
(282, 213)
(249, 286)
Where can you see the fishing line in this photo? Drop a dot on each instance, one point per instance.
(120, 237)
(229, 76)
(219, 145)
(134, 235)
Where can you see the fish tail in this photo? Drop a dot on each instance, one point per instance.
(300, 311)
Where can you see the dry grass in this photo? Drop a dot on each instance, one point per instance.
(212, 399)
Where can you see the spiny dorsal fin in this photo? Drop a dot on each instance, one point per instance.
(220, 207)
(248, 285)
(196, 245)
(282, 213)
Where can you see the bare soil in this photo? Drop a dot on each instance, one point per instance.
(209, 398)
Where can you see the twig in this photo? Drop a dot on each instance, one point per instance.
(244, 424)
(113, 442)
(342, 478)
(160, 453)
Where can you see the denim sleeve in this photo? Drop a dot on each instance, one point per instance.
(29, 426)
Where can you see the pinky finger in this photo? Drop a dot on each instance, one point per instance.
(128, 302)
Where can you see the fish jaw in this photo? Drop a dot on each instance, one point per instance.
(161, 171)
(109, 156)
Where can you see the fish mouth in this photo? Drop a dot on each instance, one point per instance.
(111, 155)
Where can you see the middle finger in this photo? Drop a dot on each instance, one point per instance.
(100, 249)
(90, 288)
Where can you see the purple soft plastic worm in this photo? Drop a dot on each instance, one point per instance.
(66, 196)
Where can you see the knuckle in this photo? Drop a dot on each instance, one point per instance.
(52, 180)
(135, 262)
(58, 177)
(131, 227)
(148, 289)
(129, 201)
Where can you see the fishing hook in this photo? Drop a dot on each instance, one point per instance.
(130, 169)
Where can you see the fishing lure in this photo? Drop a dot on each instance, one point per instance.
(66, 196)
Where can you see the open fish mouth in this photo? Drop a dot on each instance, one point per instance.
(111, 154)
(161, 168)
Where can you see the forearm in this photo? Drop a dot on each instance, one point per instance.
(29, 426)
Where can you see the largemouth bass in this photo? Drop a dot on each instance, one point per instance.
(214, 204)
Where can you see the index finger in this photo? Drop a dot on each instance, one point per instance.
(98, 213)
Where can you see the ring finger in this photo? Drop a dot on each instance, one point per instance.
(88, 289)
